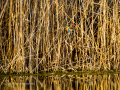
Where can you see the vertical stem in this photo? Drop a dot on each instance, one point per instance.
(57, 34)
(21, 35)
(10, 32)
(30, 45)
(104, 33)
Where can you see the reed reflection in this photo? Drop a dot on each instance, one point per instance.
(61, 82)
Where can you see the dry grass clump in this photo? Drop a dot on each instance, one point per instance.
(33, 36)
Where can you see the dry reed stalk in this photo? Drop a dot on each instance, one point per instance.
(3, 8)
(10, 33)
(104, 33)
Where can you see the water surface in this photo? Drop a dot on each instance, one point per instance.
(61, 82)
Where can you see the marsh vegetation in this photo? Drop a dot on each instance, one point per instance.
(33, 36)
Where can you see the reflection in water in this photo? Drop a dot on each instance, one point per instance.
(61, 82)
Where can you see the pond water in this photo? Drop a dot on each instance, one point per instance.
(61, 82)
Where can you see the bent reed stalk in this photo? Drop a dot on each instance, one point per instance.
(33, 37)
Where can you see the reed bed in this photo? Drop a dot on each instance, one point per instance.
(33, 36)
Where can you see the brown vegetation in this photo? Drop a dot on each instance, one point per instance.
(33, 36)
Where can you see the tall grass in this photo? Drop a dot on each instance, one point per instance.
(33, 36)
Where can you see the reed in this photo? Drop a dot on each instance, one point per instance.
(33, 36)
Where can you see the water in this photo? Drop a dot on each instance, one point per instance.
(61, 82)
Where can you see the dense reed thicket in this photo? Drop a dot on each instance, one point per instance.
(33, 36)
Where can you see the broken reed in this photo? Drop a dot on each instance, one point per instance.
(33, 36)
